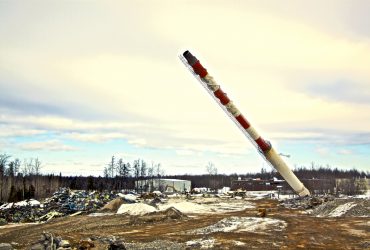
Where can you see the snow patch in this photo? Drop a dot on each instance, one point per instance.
(185, 207)
(206, 206)
(24, 203)
(202, 243)
(239, 243)
(128, 197)
(342, 209)
(100, 214)
(243, 224)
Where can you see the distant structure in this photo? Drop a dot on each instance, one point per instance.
(316, 186)
(163, 185)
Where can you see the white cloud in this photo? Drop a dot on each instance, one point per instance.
(345, 152)
(51, 145)
(323, 151)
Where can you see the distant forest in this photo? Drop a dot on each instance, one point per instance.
(21, 180)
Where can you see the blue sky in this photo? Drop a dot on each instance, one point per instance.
(84, 80)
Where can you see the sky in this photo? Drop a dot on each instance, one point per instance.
(81, 81)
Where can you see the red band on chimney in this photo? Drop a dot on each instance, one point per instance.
(242, 121)
(263, 145)
(199, 69)
(222, 96)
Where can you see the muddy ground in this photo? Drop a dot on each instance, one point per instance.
(302, 231)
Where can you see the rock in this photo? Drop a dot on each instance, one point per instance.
(3, 222)
(118, 245)
(5, 246)
(38, 247)
(262, 212)
(64, 244)
(86, 244)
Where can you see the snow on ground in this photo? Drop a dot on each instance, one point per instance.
(128, 197)
(342, 209)
(135, 209)
(222, 207)
(210, 205)
(243, 224)
(363, 196)
(100, 214)
(202, 243)
(239, 243)
(6, 206)
(31, 202)
(185, 207)
(196, 206)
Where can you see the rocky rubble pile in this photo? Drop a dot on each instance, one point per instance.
(343, 207)
(308, 202)
(61, 203)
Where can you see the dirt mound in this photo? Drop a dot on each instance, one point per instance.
(343, 207)
(112, 206)
(164, 215)
(171, 213)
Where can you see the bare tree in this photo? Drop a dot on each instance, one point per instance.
(110, 169)
(37, 167)
(28, 167)
(126, 170)
(120, 165)
(136, 167)
(3, 161)
(143, 168)
(158, 170)
(37, 173)
(211, 169)
(106, 172)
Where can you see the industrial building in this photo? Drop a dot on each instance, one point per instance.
(316, 186)
(163, 185)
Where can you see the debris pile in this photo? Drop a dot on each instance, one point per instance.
(343, 207)
(67, 202)
(308, 202)
(62, 202)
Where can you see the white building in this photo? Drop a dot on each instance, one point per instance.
(163, 185)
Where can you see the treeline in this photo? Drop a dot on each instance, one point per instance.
(21, 180)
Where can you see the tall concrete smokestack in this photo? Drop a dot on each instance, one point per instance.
(263, 146)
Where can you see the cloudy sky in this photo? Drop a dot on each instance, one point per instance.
(81, 81)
